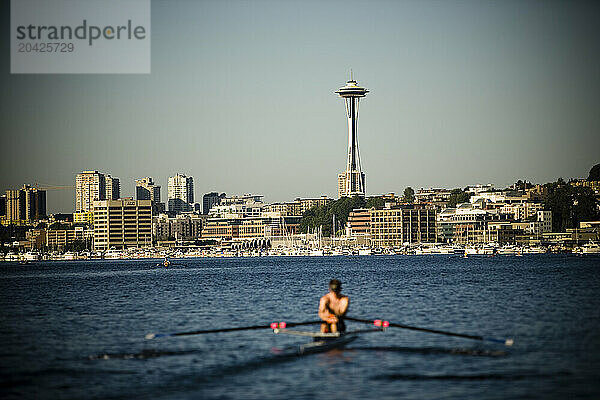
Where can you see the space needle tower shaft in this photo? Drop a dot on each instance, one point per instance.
(352, 181)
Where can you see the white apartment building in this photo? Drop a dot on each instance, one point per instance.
(522, 211)
(181, 193)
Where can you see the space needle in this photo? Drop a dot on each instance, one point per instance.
(352, 181)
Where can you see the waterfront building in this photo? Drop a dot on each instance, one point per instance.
(185, 226)
(359, 222)
(267, 226)
(59, 239)
(245, 206)
(351, 182)
(394, 227)
(522, 211)
(543, 223)
(180, 193)
(89, 187)
(122, 223)
(113, 187)
(36, 238)
(209, 200)
(466, 224)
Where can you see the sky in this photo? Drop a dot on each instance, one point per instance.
(241, 97)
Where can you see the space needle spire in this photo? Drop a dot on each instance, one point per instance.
(352, 181)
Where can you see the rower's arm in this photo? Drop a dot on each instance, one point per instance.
(323, 309)
(344, 304)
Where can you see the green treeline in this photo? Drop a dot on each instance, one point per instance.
(570, 205)
(323, 215)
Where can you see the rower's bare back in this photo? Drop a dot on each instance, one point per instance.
(331, 304)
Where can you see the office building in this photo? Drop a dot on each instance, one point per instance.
(359, 222)
(393, 227)
(120, 224)
(181, 193)
(250, 228)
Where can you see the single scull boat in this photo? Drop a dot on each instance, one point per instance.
(322, 342)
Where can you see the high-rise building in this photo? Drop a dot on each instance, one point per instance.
(35, 203)
(352, 181)
(211, 199)
(146, 189)
(113, 187)
(181, 193)
(15, 206)
(89, 187)
(93, 185)
(122, 223)
(25, 205)
(3, 205)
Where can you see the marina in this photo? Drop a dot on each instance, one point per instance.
(184, 252)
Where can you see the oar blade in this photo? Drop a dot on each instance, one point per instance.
(150, 336)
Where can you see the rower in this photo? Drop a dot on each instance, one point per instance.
(332, 308)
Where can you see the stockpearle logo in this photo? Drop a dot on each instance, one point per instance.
(80, 36)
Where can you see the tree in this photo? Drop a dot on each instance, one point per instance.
(409, 195)
(375, 202)
(594, 173)
(322, 216)
(458, 196)
(570, 205)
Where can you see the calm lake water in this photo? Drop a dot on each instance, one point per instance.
(74, 330)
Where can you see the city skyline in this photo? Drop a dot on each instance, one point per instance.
(240, 98)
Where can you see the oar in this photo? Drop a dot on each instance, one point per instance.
(507, 342)
(272, 325)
